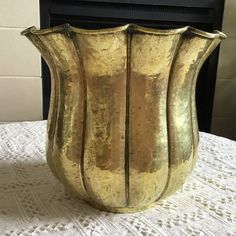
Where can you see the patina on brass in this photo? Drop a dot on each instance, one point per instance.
(122, 125)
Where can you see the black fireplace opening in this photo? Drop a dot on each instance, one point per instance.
(93, 14)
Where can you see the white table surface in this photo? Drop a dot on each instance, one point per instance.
(33, 202)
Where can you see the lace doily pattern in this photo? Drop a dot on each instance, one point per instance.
(33, 202)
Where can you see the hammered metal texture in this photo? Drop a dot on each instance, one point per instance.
(122, 125)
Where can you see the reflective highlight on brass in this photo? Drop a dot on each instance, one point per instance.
(122, 125)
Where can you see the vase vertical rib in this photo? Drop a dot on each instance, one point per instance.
(122, 125)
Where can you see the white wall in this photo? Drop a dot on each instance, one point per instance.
(20, 66)
(224, 112)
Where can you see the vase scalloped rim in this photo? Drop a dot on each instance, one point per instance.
(67, 28)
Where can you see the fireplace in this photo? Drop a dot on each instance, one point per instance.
(93, 14)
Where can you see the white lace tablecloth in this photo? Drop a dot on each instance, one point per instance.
(33, 202)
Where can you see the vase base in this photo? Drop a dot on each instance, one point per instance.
(112, 209)
(120, 209)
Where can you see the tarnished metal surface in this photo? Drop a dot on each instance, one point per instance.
(122, 125)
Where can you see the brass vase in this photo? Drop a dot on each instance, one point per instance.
(122, 125)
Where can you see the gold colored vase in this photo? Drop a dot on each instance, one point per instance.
(122, 126)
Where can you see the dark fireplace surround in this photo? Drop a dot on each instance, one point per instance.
(92, 14)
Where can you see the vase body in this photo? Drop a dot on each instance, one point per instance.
(122, 126)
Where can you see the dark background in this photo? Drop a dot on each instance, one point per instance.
(92, 14)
